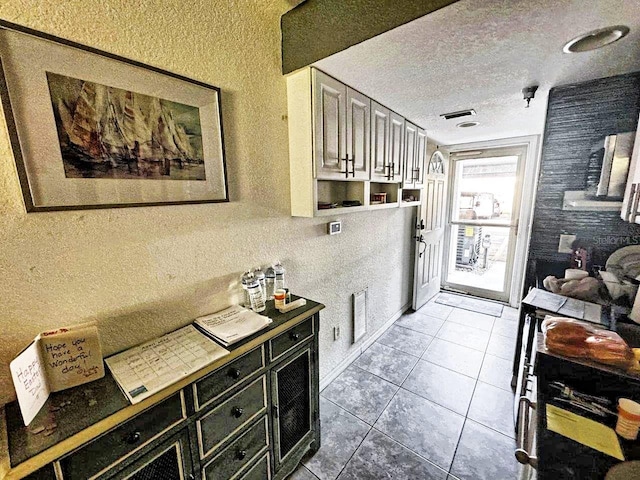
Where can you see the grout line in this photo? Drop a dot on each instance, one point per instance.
(436, 403)
(361, 441)
(452, 370)
(492, 429)
(466, 415)
(347, 411)
(431, 462)
(386, 406)
(376, 375)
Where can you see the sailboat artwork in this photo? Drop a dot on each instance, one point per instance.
(108, 132)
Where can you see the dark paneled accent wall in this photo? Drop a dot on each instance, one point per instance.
(578, 116)
(316, 29)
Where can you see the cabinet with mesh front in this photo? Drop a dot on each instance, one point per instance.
(253, 416)
(295, 407)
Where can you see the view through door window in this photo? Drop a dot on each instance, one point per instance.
(483, 221)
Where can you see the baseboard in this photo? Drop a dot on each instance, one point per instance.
(331, 376)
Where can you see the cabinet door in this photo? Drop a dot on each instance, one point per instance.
(293, 404)
(411, 138)
(631, 199)
(396, 145)
(358, 134)
(170, 460)
(421, 154)
(380, 129)
(329, 119)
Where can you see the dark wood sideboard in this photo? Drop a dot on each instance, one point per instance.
(251, 415)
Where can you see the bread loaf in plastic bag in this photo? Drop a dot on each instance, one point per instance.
(573, 338)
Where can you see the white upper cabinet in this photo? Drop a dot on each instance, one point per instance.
(396, 145)
(346, 152)
(380, 163)
(421, 157)
(409, 167)
(329, 121)
(358, 135)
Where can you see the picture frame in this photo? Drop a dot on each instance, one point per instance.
(90, 129)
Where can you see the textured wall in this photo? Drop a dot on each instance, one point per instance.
(141, 272)
(577, 116)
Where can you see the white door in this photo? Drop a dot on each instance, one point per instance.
(430, 231)
(484, 214)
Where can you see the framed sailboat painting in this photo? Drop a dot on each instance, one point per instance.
(90, 129)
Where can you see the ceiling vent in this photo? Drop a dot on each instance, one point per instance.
(458, 114)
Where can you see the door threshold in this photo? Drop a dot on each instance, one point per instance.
(462, 293)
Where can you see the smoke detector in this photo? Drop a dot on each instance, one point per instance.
(467, 124)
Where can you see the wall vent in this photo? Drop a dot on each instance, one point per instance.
(359, 315)
(458, 114)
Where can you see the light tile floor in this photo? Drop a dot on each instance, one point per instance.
(430, 399)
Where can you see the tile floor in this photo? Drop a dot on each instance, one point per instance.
(430, 399)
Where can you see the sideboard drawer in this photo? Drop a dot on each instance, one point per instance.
(292, 337)
(260, 471)
(233, 458)
(226, 419)
(95, 457)
(224, 379)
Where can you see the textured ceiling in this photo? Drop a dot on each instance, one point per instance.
(480, 54)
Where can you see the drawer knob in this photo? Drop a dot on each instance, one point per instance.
(241, 454)
(237, 412)
(295, 336)
(234, 373)
(133, 437)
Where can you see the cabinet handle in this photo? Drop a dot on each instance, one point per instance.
(393, 170)
(295, 337)
(632, 197)
(634, 213)
(353, 165)
(237, 412)
(234, 373)
(132, 438)
(388, 175)
(241, 454)
(346, 166)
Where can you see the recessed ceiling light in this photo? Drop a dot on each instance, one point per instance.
(596, 39)
(467, 124)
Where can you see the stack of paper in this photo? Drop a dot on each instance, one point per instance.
(148, 368)
(232, 324)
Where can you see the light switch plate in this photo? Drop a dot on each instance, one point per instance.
(564, 246)
(333, 228)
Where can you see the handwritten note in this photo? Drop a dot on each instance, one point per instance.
(72, 356)
(30, 382)
(56, 360)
